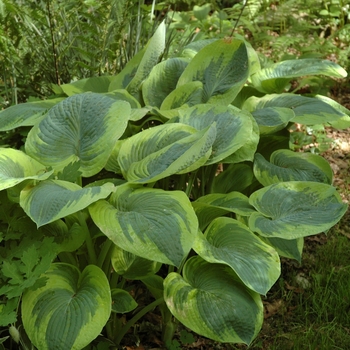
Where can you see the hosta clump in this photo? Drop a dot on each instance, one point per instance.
(175, 174)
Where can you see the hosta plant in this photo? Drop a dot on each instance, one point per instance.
(174, 177)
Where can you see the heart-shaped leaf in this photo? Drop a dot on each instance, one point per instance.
(164, 150)
(144, 220)
(222, 67)
(227, 241)
(16, 167)
(54, 199)
(295, 209)
(70, 310)
(213, 302)
(83, 128)
(232, 127)
(286, 165)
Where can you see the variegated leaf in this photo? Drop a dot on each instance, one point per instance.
(54, 199)
(70, 310)
(83, 128)
(144, 220)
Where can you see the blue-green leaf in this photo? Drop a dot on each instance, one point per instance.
(232, 127)
(83, 128)
(162, 81)
(25, 114)
(164, 150)
(131, 266)
(54, 199)
(222, 67)
(275, 77)
(295, 209)
(144, 220)
(122, 301)
(286, 165)
(213, 302)
(227, 241)
(70, 310)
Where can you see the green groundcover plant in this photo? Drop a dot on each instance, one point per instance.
(176, 175)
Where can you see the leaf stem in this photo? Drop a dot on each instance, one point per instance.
(133, 320)
(190, 183)
(89, 244)
(105, 253)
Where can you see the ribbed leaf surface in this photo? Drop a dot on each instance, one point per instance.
(295, 209)
(269, 79)
(211, 300)
(164, 150)
(227, 241)
(83, 128)
(54, 199)
(151, 223)
(286, 165)
(70, 310)
(232, 127)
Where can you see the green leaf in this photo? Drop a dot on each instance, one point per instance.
(289, 248)
(201, 12)
(164, 150)
(162, 81)
(235, 177)
(343, 122)
(8, 312)
(295, 209)
(247, 151)
(131, 266)
(68, 237)
(143, 221)
(227, 241)
(269, 79)
(93, 84)
(194, 47)
(307, 110)
(286, 165)
(222, 67)
(83, 127)
(25, 114)
(16, 167)
(210, 300)
(54, 199)
(232, 127)
(122, 301)
(214, 205)
(187, 95)
(272, 119)
(150, 58)
(70, 310)
(123, 78)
